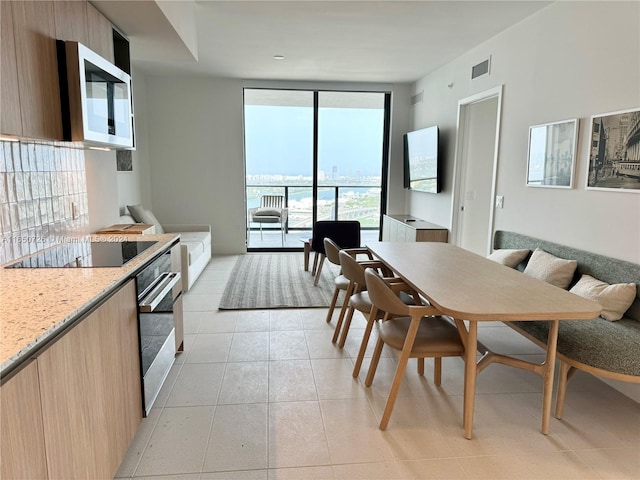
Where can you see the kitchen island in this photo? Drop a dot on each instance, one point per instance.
(69, 347)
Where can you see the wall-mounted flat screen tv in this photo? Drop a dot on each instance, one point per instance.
(421, 160)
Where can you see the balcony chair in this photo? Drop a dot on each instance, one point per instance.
(431, 336)
(345, 233)
(271, 210)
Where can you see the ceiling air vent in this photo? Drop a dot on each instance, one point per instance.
(481, 68)
(417, 98)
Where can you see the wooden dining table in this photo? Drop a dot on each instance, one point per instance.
(469, 287)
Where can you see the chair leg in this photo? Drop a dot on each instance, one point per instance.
(437, 371)
(336, 292)
(319, 271)
(315, 263)
(261, 232)
(282, 230)
(365, 341)
(345, 327)
(421, 366)
(343, 310)
(374, 363)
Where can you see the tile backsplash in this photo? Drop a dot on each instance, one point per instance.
(43, 197)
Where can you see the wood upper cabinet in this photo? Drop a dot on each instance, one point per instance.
(71, 21)
(37, 68)
(100, 33)
(91, 391)
(21, 435)
(10, 119)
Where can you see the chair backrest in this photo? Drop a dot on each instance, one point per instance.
(351, 269)
(382, 296)
(345, 233)
(272, 201)
(332, 251)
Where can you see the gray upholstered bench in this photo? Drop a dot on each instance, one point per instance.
(603, 348)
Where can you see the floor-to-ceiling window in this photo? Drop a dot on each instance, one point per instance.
(323, 151)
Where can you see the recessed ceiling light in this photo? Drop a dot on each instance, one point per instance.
(278, 57)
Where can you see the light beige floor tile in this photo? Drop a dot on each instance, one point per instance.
(239, 475)
(245, 382)
(291, 381)
(334, 379)
(619, 463)
(314, 318)
(238, 438)
(207, 285)
(138, 444)
(384, 376)
(188, 342)
(285, 319)
(182, 476)
(178, 442)
(352, 432)
(249, 347)
(367, 471)
(296, 436)
(412, 432)
(192, 321)
(301, 473)
(199, 303)
(220, 321)
(253, 321)
(167, 386)
(209, 348)
(434, 469)
(354, 341)
(288, 345)
(197, 384)
(556, 465)
(319, 345)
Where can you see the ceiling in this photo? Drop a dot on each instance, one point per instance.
(340, 41)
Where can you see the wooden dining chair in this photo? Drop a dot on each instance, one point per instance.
(430, 335)
(332, 253)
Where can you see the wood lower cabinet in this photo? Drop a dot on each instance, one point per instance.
(404, 228)
(90, 391)
(21, 435)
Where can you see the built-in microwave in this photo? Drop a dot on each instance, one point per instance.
(97, 109)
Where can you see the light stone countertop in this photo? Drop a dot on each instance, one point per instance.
(36, 303)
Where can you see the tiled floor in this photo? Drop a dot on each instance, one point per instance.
(265, 395)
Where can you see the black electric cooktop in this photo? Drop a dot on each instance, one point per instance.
(84, 255)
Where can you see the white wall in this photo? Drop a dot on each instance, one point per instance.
(553, 67)
(195, 150)
(102, 188)
(195, 145)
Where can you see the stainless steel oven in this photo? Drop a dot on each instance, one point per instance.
(158, 298)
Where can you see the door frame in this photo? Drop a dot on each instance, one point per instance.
(461, 156)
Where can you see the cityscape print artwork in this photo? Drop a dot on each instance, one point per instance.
(614, 156)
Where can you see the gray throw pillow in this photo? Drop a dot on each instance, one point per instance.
(145, 216)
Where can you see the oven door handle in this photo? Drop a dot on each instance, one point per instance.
(164, 284)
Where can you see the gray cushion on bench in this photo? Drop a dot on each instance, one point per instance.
(598, 343)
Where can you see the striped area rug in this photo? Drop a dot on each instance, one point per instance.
(264, 281)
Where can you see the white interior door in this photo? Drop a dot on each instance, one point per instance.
(476, 161)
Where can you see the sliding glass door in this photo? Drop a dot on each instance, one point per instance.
(323, 151)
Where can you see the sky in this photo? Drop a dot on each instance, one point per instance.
(279, 140)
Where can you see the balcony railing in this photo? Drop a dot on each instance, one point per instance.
(335, 202)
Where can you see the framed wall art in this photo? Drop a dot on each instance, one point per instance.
(552, 154)
(614, 153)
